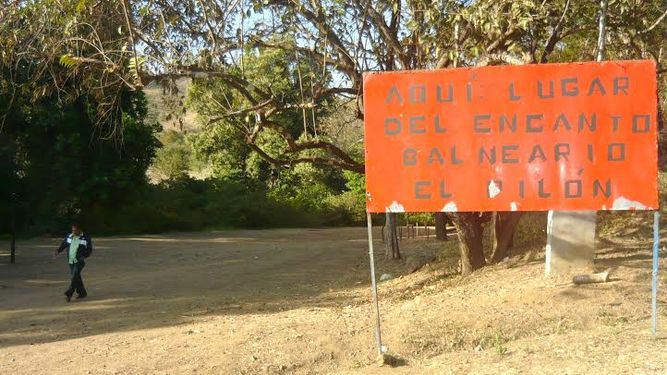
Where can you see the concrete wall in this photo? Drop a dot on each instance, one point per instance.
(570, 242)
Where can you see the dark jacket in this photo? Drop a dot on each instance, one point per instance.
(85, 247)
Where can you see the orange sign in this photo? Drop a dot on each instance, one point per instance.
(578, 136)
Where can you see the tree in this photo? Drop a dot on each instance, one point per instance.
(504, 224)
(393, 250)
(54, 165)
(9, 189)
(441, 221)
(85, 176)
(470, 228)
(201, 38)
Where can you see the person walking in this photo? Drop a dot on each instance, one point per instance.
(79, 247)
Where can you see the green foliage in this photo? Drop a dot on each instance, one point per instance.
(355, 182)
(62, 171)
(254, 104)
(327, 194)
(349, 206)
(103, 183)
(188, 204)
(69, 61)
(172, 160)
(499, 343)
(302, 186)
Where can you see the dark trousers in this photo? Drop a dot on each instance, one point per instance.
(77, 283)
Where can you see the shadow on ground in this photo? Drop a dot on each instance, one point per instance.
(153, 281)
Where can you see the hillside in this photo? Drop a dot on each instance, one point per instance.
(166, 108)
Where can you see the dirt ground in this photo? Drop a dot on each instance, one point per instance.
(298, 301)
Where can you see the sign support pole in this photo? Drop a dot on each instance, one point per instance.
(656, 245)
(378, 334)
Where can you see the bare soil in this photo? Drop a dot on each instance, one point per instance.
(298, 301)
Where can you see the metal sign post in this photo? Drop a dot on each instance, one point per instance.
(378, 334)
(656, 245)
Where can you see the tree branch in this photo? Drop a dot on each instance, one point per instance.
(389, 37)
(502, 57)
(240, 84)
(349, 69)
(554, 37)
(134, 48)
(340, 157)
(656, 23)
(496, 43)
(320, 23)
(602, 32)
(356, 167)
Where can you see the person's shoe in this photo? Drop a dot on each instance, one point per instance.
(68, 297)
(80, 296)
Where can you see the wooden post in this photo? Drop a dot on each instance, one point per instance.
(374, 290)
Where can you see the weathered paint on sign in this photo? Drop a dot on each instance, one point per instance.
(580, 136)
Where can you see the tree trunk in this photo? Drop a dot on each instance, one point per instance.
(602, 30)
(441, 226)
(504, 226)
(12, 257)
(396, 253)
(392, 251)
(470, 231)
(382, 234)
(387, 235)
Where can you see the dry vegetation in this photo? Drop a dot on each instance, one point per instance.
(165, 106)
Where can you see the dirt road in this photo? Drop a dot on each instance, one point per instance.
(297, 301)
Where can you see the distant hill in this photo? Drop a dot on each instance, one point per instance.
(167, 109)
